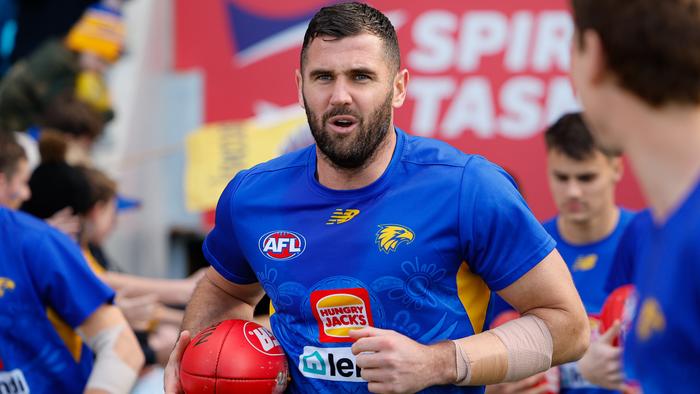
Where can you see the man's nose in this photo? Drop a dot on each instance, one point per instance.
(341, 94)
(573, 189)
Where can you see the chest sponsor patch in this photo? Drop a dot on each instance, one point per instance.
(337, 364)
(282, 245)
(13, 382)
(340, 310)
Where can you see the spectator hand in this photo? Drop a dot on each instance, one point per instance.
(601, 364)
(162, 341)
(140, 311)
(394, 363)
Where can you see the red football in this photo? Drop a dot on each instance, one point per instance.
(620, 306)
(234, 356)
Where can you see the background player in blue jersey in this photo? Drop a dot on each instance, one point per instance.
(636, 66)
(588, 228)
(627, 255)
(47, 293)
(381, 249)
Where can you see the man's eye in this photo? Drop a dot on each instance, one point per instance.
(324, 77)
(561, 178)
(361, 77)
(586, 178)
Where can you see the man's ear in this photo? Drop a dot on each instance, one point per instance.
(618, 167)
(595, 61)
(399, 86)
(3, 185)
(300, 86)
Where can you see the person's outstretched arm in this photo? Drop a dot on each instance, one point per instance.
(118, 356)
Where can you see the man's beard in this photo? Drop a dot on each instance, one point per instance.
(351, 151)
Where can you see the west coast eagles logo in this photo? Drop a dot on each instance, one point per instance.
(390, 236)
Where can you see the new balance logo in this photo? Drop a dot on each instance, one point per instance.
(340, 216)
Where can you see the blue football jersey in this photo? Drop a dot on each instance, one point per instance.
(662, 349)
(590, 264)
(417, 251)
(626, 258)
(46, 289)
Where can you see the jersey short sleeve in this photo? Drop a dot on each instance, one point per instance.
(500, 236)
(64, 279)
(221, 247)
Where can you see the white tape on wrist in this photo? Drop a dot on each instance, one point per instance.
(109, 371)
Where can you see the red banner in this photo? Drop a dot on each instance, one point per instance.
(485, 76)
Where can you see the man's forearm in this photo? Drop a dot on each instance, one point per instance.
(210, 304)
(570, 332)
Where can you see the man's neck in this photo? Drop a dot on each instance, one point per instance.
(664, 150)
(333, 177)
(589, 231)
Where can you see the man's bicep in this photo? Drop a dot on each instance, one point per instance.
(548, 292)
(547, 285)
(248, 293)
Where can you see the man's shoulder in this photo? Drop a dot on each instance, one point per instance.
(295, 159)
(23, 221)
(430, 151)
(28, 231)
(277, 171)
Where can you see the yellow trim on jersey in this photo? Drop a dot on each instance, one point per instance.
(92, 263)
(474, 295)
(69, 337)
(72, 340)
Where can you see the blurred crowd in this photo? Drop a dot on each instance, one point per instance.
(55, 104)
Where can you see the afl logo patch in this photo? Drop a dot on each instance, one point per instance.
(282, 245)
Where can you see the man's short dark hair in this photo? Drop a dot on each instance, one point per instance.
(652, 46)
(570, 136)
(11, 152)
(351, 19)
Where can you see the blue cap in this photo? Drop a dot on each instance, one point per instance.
(127, 204)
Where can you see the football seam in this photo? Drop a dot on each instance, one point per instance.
(221, 349)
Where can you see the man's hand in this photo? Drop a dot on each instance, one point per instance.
(394, 363)
(529, 385)
(172, 370)
(601, 364)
